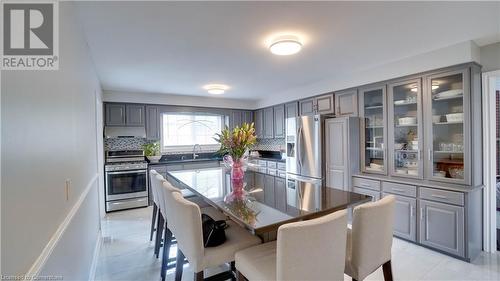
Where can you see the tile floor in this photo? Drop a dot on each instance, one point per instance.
(127, 254)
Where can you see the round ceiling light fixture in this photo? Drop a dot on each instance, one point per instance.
(216, 89)
(285, 45)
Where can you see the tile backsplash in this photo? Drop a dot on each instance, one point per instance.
(270, 144)
(124, 143)
(136, 143)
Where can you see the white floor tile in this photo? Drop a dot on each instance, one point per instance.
(126, 254)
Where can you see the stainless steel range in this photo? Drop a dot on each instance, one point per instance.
(126, 180)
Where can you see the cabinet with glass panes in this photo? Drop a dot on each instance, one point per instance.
(373, 112)
(449, 96)
(426, 126)
(405, 128)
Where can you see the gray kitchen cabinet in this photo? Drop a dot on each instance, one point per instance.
(325, 104)
(442, 227)
(115, 114)
(235, 118)
(259, 184)
(372, 110)
(268, 123)
(374, 194)
(405, 220)
(405, 128)
(247, 117)
(307, 107)
(291, 110)
(448, 126)
(152, 122)
(269, 190)
(346, 103)
(279, 121)
(317, 105)
(259, 124)
(135, 115)
(280, 194)
(342, 151)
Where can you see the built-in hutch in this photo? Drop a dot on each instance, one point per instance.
(421, 140)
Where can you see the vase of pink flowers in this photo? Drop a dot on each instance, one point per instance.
(234, 144)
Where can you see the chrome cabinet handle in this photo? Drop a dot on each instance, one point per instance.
(430, 154)
(398, 190)
(421, 214)
(412, 211)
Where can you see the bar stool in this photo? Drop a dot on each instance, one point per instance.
(369, 242)
(185, 224)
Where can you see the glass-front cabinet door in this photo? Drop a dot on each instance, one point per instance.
(373, 112)
(448, 126)
(405, 128)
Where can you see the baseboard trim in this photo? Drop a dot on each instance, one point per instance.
(51, 245)
(95, 259)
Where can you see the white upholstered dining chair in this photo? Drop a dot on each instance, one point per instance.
(152, 174)
(186, 225)
(306, 250)
(369, 242)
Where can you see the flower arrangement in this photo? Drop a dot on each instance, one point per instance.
(236, 142)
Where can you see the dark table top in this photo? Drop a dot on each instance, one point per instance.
(257, 214)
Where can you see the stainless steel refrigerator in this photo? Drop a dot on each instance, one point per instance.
(304, 146)
(304, 163)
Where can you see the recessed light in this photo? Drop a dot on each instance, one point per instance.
(216, 89)
(285, 45)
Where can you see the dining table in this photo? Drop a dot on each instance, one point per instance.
(258, 215)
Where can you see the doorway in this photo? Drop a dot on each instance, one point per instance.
(491, 162)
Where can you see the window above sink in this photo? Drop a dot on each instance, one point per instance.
(181, 131)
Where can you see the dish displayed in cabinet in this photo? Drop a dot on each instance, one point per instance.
(448, 126)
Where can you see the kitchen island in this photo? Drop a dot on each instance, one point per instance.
(257, 213)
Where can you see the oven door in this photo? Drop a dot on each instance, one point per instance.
(126, 184)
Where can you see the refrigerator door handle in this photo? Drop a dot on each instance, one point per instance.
(299, 143)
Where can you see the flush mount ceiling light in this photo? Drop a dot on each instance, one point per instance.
(285, 45)
(216, 89)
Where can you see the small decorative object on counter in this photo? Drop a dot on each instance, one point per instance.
(152, 151)
(234, 145)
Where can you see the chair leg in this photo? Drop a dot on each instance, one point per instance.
(167, 241)
(387, 268)
(179, 264)
(153, 222)
(239, 276)
(159, 233)
(233, 271)
(198, 276)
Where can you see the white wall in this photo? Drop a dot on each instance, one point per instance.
(490, 57)
(168, 99)
(456, 54)
(48, 136)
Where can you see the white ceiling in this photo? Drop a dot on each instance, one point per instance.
(176, 48)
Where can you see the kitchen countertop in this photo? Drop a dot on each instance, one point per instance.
(172, 162)
(257, 215)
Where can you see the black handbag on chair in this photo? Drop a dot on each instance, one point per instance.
(213, 231)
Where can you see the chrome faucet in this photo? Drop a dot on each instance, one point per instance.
(194, 151)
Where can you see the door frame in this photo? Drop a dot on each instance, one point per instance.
(489, 162)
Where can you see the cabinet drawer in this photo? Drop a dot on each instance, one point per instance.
(281, 174)
(272, 172)
(263, 170)
(399, 189)
(444, 196)
(365, 183)
(374, 194)
(262, 163)
(271, 164)
(281, 166)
